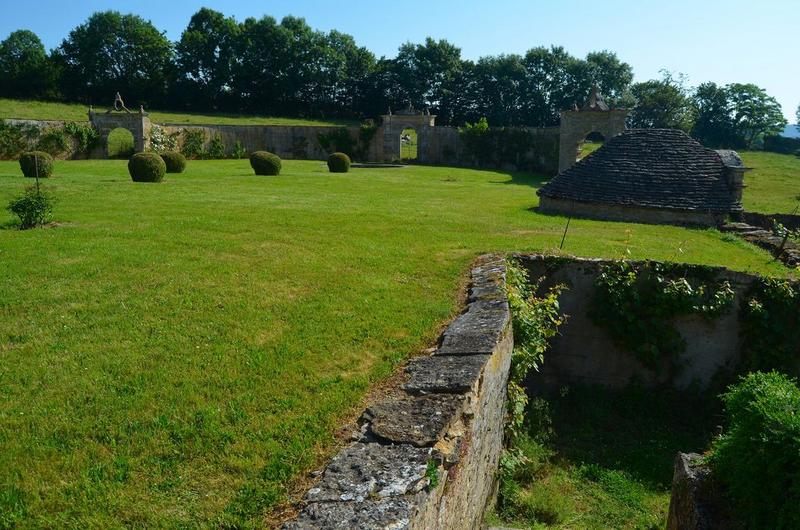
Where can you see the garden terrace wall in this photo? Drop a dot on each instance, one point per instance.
(426, 456)
(585, 353)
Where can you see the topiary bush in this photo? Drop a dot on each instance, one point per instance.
(36, 163)
(174, 161)
(146, 167)
(338, 163)
(265, 163)
(757, 461)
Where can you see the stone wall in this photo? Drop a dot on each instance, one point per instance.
(287, 141)
(584, 352)
(426, 456)
(577, 124)
(633, 214)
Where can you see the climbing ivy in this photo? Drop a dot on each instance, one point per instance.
(535, 320)
(637, 303)
(770, 326)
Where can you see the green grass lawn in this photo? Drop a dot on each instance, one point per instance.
(608, 460)
(408, 151)
(175, 354)
(773, 186)
(47, 110)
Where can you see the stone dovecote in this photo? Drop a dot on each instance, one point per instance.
(650, 175)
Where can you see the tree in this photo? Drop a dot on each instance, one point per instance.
(714, 125)
(112, 53)
(798, 116)
(205, 57)
(612, 76)
(24, 66)
(661, 104)
(755, 113)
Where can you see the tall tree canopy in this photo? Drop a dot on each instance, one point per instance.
(111, 53)
(24, 66)
(661, 103)
(205, 57)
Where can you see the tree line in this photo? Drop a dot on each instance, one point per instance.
(287, 68)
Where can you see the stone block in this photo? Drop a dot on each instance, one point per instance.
(417, 420)
(390, 514)
(443, 374)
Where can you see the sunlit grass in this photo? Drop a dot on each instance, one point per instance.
(175, 354)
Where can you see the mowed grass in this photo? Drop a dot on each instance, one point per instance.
(773, 186)
(49, 110)
(608, 461)
(176, 354)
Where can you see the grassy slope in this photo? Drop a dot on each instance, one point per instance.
(46, 110)
(774, 184)
(174, 354)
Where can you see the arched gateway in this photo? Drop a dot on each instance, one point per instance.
(594, 117)
(395, 123)
(119, 117)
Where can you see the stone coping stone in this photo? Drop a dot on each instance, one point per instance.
(444, 374)
(417, 420)
(368, 470)
(478, 331)
(388, 513)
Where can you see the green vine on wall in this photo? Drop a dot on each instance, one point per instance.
(499, 146)
(636, 304)
(770, 326)
(535, 320)
(340, 140)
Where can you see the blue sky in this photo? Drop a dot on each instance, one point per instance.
(709, 40)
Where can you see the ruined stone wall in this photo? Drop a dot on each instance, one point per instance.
(634, 214)
(426, 456)
(584, 352)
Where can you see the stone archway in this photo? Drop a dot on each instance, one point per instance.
(394, 125)
(594, 117)
(138, 123)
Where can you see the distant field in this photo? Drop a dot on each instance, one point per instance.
(774, 184)
(45, 110)
(173, 355)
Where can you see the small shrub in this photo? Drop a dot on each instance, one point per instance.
(193, 142)
(338, 163)
(757, 460)
(34, 208)
(174, 161)
(265, 163)
(83, 134)
(146, 167)
(161, 141)
(36, 164)
(239, 151)
(216, 149)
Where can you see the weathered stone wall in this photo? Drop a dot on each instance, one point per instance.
(575, 125)
(634, 214)
(448, 416)
(764, 220)
(584, 352)
(287, 141)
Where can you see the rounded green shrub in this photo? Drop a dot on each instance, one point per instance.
(265, 163)
(174, 161)
(757, 459)
(34, 161)
(338, 163)
(146, 167)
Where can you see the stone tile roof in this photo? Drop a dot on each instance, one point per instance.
(656, 168)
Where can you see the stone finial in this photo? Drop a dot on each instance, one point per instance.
(595, 101)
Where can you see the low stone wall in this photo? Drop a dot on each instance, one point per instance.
(764, 220)
(633, 214)
(585, 353)
(695, 502)
(782, 248)
(426, 457)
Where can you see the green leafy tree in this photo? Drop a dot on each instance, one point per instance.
(612, 76)
(661, 103)
(755, 112)
(25, 69)
(205, 56)
(112, 53)
(714, 125)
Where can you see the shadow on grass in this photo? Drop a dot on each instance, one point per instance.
(636, 431)
(534, 180)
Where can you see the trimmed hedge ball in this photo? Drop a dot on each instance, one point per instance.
(265, 163)
(29, 161)
(338, 163)
(146, 167)
(174, 161)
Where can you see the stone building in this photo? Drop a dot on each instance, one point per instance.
(650, 176)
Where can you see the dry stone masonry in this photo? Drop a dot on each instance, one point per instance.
(426, 457)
